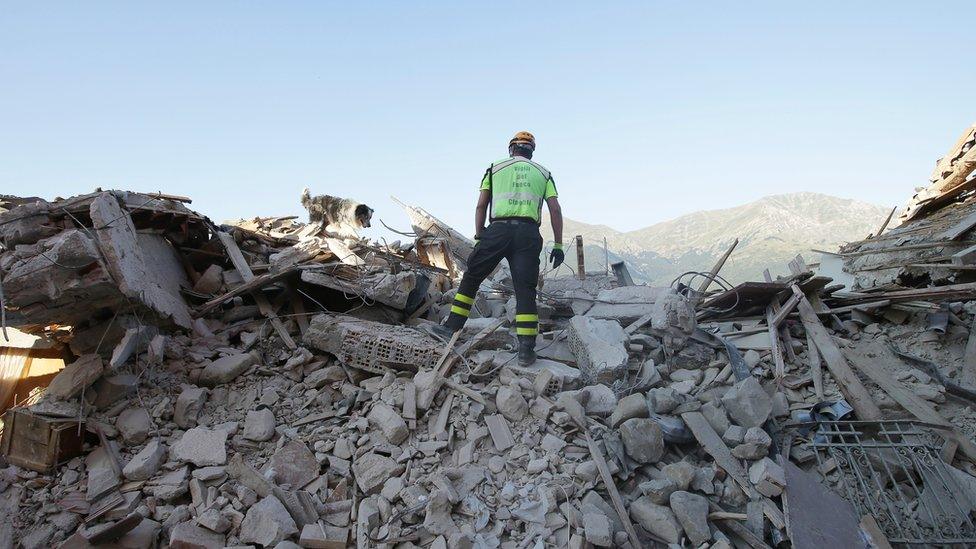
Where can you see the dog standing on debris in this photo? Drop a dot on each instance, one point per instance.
(337, 216)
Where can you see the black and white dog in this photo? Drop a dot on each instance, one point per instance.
(340, 216)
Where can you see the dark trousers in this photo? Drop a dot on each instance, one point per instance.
(520, 243)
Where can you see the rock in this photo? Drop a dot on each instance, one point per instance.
(511, 403)
(392, 488)
(716, 416)
(599, 347)
(643, 439)
(597, 528)
(751, 358)
(597, 400)
(568, 403)
(437, 519)
(681, 473)
(267, 523)
(133, 425)
(144, 464)
(735, 434)
(385, 418)
(755, 445)
(747, 403)
(75, 376)
(781, 406)
(694, 376)
(625, 303)
(692, 512)
(188, 535)
(536, 466)
(750, 451)
(225, 369)
(673, 310)
(768, 477)
(212, 519)
(210, 281)
(629, 407)
(188, 407)
(663, 400)
(259, 425)
(294, 464)
(656, 519)
(372, 470)
(324, 376)
(110, 390)
(201, 447)
(658, 490)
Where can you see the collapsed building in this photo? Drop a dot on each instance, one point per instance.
(270, 383)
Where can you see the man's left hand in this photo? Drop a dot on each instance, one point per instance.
(556, 256)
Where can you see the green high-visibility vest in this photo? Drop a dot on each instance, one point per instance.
(518, 188)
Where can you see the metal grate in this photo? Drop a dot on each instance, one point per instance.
(892, 470)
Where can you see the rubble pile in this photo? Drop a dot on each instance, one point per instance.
(269, 383)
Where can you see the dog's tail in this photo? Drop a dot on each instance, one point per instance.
(306, 197)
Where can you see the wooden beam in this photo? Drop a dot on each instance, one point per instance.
(968, 373)
(713, 445)
(256, 283)
(960, 228)
(580, 263)
(885, 224)
(816, 368)
(785, 310)
(618, 503)
(964, 257)
(905, 397)
(852, 388)
(237, 258)
(715, 269)
(774, 344)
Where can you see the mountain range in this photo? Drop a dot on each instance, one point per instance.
(771, 231)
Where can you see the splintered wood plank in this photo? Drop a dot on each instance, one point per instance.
(618, 504)
(846, 379)
(816, 367)
(716, 447)
(718, 267)
(638, 324)
(301, 317)
(237, 258)
(960, 228)
(968, 373)
(774, 344)
(775, 333)
(905, 397)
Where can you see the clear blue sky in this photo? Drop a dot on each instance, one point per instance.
(643, 111)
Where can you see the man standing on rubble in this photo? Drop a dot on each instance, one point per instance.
(514, 188)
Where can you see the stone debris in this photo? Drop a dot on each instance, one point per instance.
(268, 383)
(259, 426)
(201, 447)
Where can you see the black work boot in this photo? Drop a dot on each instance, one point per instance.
(526, 350)
(442, 332)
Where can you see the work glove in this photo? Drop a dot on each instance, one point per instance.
(556, 256)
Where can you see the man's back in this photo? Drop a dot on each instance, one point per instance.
(518, 188)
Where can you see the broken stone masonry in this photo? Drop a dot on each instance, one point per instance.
(264, 383)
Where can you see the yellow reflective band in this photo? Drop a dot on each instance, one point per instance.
(526, 318)
(460, 310)
(464, 299)
(526, 331)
